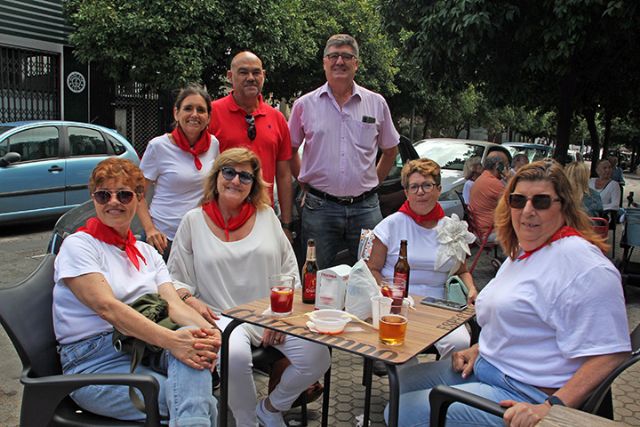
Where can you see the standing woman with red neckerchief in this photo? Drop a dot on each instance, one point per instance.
(176, 164)
(437, 245)
(224, 253)
(99, 271)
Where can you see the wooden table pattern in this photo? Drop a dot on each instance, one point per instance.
(561, 416)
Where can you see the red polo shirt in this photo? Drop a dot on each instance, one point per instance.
(272, 142)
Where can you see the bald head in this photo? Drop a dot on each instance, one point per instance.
(245, 57)
(247, 78)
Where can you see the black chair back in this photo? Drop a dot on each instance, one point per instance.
(25, 314)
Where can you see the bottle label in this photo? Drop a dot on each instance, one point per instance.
(309, 288)
(402, 276)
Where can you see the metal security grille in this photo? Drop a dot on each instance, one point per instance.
(29, 85)
(142, 109)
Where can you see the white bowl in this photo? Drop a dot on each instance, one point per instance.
(329, 321)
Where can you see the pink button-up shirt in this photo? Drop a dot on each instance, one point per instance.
(341, 144)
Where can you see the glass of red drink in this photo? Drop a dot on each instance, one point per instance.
(393, 288)
(281, 294)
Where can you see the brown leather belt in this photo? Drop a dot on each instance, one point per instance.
(341, 200)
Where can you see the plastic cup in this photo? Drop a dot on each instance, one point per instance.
(393, 326)
(393, 288)
(379, 304)
(281, 294)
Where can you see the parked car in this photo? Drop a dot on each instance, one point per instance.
(451, 154)
(45, 165)
(534, 152)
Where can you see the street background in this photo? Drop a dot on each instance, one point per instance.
(22, 247)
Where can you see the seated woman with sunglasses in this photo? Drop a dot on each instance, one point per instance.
(422, 223)
(224, 253)
(553, 319)
(175, 164)
(99, 271)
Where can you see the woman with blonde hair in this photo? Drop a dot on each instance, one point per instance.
(553, 320)
(578, 174)
(472, 170)
(224, 252)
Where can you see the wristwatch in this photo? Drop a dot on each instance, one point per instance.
(286, 225)
(186, 296)
(554, 400)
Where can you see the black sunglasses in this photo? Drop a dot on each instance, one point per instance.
(539, 201)
(229, 173)
(123, 196)
(251, 130)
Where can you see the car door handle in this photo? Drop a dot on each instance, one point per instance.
(55, 169)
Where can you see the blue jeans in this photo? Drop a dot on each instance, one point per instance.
(486, 381)
(335, 227)
(185, 393)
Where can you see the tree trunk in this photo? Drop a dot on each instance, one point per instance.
(469, 130)
(412, 123)
(426, 125)
(565, 114)
(607, 133)
(590, 117)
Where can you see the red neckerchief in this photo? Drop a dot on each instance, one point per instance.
(562, 232)
(201, 146)
(435, 214)
(213, 211)
(104, 233)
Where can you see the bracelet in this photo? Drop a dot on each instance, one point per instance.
(554, 400)
(286, 225)
(186, 296)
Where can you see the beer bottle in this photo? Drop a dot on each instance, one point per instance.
(309, 273)
(401, 269)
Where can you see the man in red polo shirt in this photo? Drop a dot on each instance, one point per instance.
(242, 119)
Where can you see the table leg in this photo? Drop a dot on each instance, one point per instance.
(394, 395)
(224, 371)
(366, 382)
(326, 394)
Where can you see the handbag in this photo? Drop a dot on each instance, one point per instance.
(156, 309)
(455, 290)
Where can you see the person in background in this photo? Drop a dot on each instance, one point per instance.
(175, 164)
(471, 170)
(578, 174)
(243, 119)
(532, 351)
(99, 271)
(487, 190)
(518, 161)
(616, 171)
(343, 125)
(608, 189)
(421, 221)
(224, 252)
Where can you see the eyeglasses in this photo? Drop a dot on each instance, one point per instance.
(103, 196)
(427, 187)
(333, 57)
(539, 201)
(251, 130)
(229, 173)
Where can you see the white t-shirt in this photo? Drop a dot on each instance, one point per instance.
(542, 316)
(422, 246)
(610, 194)
(228, 274)
(466, 190)
(178, 184)
(81, 254)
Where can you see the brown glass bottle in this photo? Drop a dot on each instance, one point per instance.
(401, 270)
(309, 274)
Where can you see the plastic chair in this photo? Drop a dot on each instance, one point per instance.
(482, 240)
(25, 314)
(600, 226)
(599, 401)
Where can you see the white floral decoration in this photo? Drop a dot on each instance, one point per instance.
(454, 238)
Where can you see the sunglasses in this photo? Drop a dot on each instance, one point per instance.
(426, 187)
(123, 196)
(539, 201)
(251, 130)
(333, 57)
(229, 173)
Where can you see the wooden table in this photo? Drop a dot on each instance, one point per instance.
(426, 326)
(561, 416)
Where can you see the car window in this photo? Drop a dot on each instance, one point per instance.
(86, 142)
(116, 146)
(35, 144)
(449, 155)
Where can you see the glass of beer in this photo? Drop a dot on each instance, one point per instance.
(281, 294)
(393, 287)
(393, 325)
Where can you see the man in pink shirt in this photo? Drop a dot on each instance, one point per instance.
(487, 190)
(343, 125)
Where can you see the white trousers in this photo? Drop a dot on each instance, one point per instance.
(309, 361)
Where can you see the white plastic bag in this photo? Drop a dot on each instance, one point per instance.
(361, 287)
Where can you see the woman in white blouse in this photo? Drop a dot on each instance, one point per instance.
(608, 188)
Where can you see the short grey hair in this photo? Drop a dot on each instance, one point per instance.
(490, 162)
(342, 40)
(517, 158)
